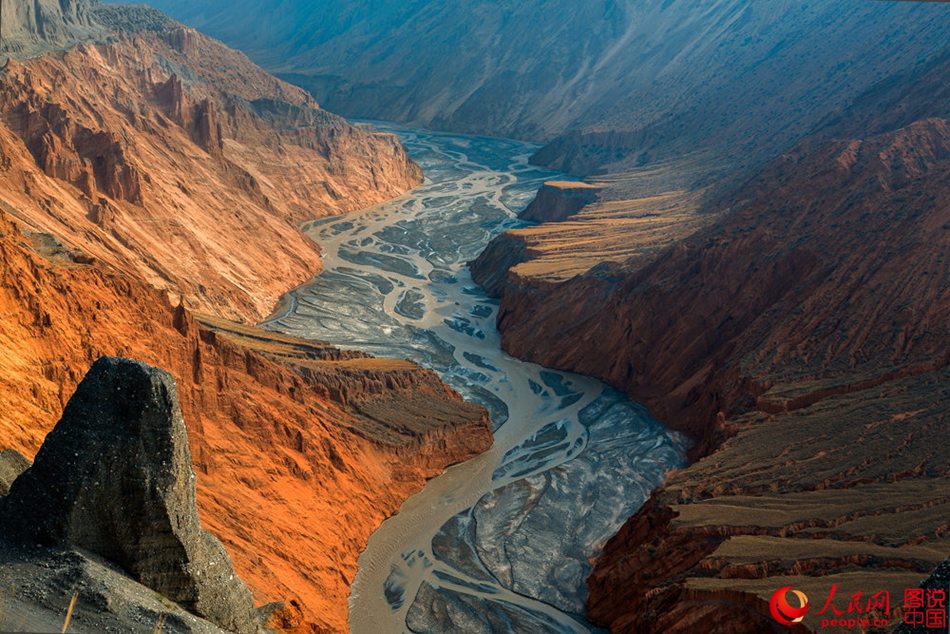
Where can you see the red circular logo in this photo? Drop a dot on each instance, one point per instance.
(783, 611)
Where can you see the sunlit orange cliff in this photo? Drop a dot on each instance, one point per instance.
(153, 173)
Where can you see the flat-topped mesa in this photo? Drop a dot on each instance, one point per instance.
(555, 201)
(491, 268)
(559, 200)
(115, 477)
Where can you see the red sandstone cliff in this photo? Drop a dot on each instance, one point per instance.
(760, 294)
(301, 450)
(802, 340)
(162, 167)
(174, 158)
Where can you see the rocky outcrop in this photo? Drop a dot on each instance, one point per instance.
(490, 269)
(12, 464)
(559, 200)
(115, 477)
(92, 161)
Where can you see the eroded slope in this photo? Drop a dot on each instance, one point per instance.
(155, 171)
(805, 329)
(174, 158)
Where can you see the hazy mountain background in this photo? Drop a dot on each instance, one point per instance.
(611, 82)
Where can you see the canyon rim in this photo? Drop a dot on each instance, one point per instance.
(617, 315)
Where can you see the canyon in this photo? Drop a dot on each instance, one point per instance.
(139, 151)
(505, 540)
(758, 254)
(154, 172)
(799, 336)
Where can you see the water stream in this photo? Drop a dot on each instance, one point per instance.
(502, 542)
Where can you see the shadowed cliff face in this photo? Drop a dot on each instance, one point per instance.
(858, 290)
(618, 82)
(802, 338)
(175, 159)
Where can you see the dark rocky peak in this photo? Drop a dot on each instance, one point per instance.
(115, 478)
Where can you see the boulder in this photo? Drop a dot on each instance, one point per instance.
(115, 478)
(12, 464)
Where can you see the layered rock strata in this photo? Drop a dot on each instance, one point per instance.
(800, 338)
(171, 157)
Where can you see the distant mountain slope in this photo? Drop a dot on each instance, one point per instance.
(31, 27)
(637, 80)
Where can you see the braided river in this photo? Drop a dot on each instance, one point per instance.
(503, 542)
